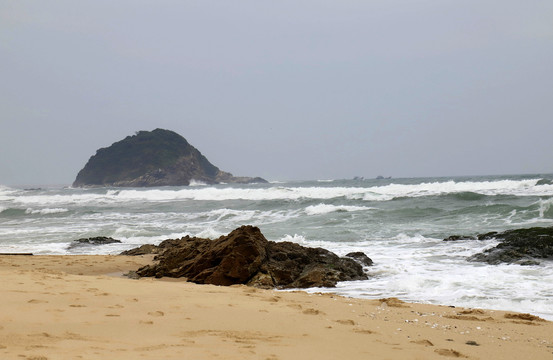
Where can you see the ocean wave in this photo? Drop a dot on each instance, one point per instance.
(46, 211)
(197, 183)
(467, 196)
(327, 208)
(210, 233)
(4, 188)
(545, 208)
(11, 212)
(198, 194)
(6, 193)
(223, 214)
(298, 239)
(468, 190)
(58, 199)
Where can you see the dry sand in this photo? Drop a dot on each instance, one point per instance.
(75, 307)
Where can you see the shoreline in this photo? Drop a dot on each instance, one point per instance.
(74, 306)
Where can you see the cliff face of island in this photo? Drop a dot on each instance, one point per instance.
(153, 158)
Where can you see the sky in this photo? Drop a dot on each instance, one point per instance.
(285, 90)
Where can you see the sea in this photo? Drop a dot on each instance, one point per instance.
(399, 223)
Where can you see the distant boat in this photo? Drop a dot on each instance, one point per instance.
(380, 177)
(358, 178)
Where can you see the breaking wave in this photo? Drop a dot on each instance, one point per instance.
(468, 190)
(46, 211)
(326, 209)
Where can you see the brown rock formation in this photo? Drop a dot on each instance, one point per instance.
(246, 257)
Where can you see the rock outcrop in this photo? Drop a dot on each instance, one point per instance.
(98, 240)
(361, 258)
(245, 256)
(519, 246)
(152, 158)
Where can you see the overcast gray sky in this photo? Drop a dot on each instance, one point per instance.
(281, 89)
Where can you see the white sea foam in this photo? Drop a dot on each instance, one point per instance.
(439, 274)
(37, 248)
(499, 187)
(321, 209)
(218, 215)
(545, 209)
(46, 211)
(6, 193)
(298, 239)
(255, 194)
(375, 193)
(197, 183)
(209, 233)
(5, 189)
(71, 199)
(230, 218)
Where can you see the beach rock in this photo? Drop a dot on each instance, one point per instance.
(151, 249)
(460, 237)
(142, 250)
(245, 256)
(98, 240)
(519, 246)
(153, 158)
(486, 236)
(361, 258)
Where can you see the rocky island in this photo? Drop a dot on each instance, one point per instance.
(153, 158)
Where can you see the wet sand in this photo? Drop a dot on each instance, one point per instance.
(78, 307)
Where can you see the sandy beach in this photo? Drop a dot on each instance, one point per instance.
(79, 307)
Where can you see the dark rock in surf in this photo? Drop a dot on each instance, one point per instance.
(544, 182)
(98, 240)
(361, 258)
(153, 158)
(460, 237)
(519, 246)
(487, 236)
(245, 257)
